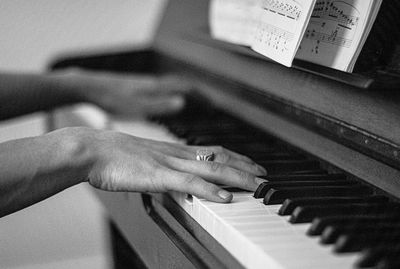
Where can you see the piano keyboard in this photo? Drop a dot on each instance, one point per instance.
(302, 217)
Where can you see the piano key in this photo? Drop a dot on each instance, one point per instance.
(289, 205)
(389, 263)
(233, 189)
(277, 196)
(276, 178)
(265, 156)
(286, 167)
(253, 148)
(264, 240)
(266, 186)
(359, 241)
(320, 223)
(307, 213)
(372, 256)
(305, 172)
(221, 130)
(332, 233)
(308, 177)
(221, 140)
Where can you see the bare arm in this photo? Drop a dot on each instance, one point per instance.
(33, 169)
(26, 93)
(128, 94)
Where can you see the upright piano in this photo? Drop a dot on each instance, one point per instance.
(329, 140)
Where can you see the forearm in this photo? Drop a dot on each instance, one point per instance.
(26, 93)
(33, 169)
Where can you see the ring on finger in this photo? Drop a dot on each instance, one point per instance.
(205, 155)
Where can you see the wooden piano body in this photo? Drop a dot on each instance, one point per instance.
(350, 122)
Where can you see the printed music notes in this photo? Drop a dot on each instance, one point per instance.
(280, 28)
(334, 33)
(325, 32)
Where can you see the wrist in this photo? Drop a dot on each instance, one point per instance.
(70, 154)
(69, 83)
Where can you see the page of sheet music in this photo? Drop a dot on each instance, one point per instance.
(280, 29)
(334, 31)
(233, 20)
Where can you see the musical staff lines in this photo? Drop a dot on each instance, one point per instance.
(328, 38)
(291, 10)
(343, 13)
(274, 37)
(332, 22)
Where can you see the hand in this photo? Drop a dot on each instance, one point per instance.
(128, 94)
(126, 163)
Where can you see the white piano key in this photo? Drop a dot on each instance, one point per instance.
(266, 240)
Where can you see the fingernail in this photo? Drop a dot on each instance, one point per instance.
(224, 194)
(262, 170)
(258, 180)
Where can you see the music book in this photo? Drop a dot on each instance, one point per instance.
(325, 32)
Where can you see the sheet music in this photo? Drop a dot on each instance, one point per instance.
(233, 20)
(326, 32)
(334, 33)
(280, 29)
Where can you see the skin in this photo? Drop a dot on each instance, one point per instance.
(32, 169)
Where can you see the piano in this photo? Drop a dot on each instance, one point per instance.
(329, 140)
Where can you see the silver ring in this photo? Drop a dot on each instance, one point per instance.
(205, 155)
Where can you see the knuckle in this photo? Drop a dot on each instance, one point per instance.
(214, 166)
(190, 179)
(224, 157)
(244, 176)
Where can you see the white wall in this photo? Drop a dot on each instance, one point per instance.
(32, 32)
(67, 230)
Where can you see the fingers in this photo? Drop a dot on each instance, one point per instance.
(163, 105)
(237, 161)
(216, 173)
(195, 185)
(174, 84)
(167, 85)
(221, 151)
(224, 156)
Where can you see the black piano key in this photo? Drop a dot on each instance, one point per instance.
(266, 186)
(286, 167)
(305, 172)
(332, 233)
(278, 156)
(234, 189)
(289, 205)
(359, 241)
(253, 147)
(389, 263)
(277, 196)
(215, 139)
(319, 224)
(371, 257)
(222, 130)
(303, 214)
(307, 177)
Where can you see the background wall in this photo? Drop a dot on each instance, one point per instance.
(69, 229)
